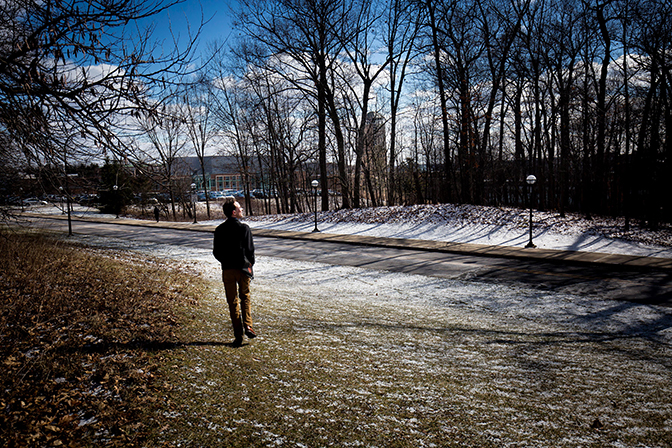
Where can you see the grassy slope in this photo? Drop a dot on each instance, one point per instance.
(94, 356)
(335, 367)
(80, 333)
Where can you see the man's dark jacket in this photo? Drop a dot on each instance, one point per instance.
(233, 244)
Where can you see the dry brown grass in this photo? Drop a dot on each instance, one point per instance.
(80, 338)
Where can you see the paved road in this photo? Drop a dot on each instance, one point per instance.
(645, 285)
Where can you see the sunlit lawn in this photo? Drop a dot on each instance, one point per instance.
(373, 364)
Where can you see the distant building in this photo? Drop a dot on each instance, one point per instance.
(374, 132)
(222, 173)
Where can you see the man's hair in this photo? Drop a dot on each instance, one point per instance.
(228, 208)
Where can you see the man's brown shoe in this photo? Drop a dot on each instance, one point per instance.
(249, 332)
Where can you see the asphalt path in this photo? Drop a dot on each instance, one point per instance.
(650, 286)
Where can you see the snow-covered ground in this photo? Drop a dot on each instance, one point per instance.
(465, 224)
(483, 225)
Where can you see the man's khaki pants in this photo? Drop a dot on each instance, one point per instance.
(237, 286)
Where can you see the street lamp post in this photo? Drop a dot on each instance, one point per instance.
(116, 199)
(60, 192)
(315, 183)
(67, 204)
(531, 179)
(193, 200)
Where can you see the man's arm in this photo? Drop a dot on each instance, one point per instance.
(248, 244)
(217, 245)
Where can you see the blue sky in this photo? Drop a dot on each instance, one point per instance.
(188, 14)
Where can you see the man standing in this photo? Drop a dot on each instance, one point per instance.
(234, 249)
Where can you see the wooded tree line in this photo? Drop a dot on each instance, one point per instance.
(475, 95)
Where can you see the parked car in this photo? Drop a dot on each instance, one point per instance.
(163, 197)
(264, 194)
(34, 201)
(55, 198)
(201, 195)
(88, 199)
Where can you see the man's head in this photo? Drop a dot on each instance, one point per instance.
(233, 209)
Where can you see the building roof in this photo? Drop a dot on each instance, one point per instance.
(213, 165)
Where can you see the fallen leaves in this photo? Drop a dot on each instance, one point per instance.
(79, 331)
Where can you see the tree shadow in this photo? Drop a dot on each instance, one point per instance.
(147, 346)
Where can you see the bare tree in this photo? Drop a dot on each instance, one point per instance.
(563, 43)
(88, 64)
(234, 113)
(199, 100)
(435, 15)
(604, 24)
(653, 159)
(576, 92)
(500, 23)
(305, 38)
(360, 47)
(403, 25)
(165, 130)
(287, 127)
